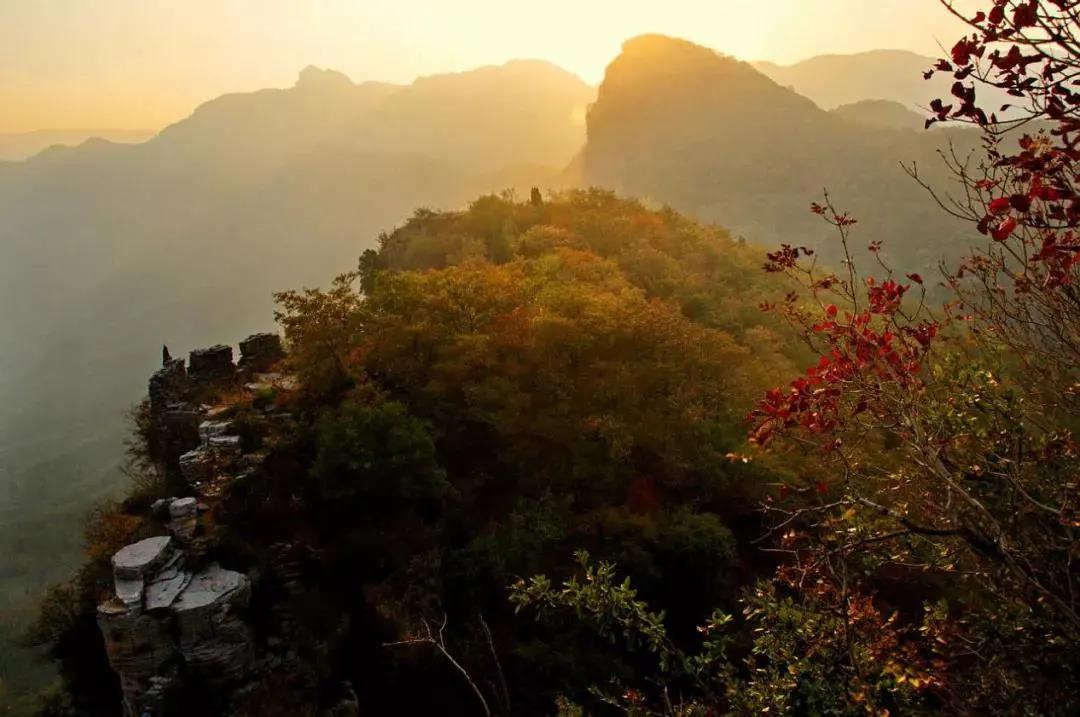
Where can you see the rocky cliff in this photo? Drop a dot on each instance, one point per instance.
(178, 621)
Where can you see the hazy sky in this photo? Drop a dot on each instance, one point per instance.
(146, 63)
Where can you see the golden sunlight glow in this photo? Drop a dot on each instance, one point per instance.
(145, 63)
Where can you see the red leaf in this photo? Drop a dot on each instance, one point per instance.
(830, 310)
(961, 52)
(1020, 203)
(1024, 15)
(1005, 229)
(999, 206)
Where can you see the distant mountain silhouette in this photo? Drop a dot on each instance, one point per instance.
(882, 114)
(483, 120)
(896, 75)
(271, 124)
(834, 80)
(23, 145)
(710, 135)
(480, 120)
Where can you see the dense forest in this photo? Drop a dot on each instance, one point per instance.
(580, 454)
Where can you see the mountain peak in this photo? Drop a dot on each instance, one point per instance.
(654, 47)
(661, 74)
(312, 77)
(677, 62)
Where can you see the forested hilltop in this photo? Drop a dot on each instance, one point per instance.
(505, 468)
(494, 390)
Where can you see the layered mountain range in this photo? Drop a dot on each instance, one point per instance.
(835, 80)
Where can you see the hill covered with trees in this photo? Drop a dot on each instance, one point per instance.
(493, 390)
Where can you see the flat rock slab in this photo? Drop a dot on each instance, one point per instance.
(163, 588)
(163, 592)
(212, 585)
(224, 442)
(135, 560)
(193, 456)
(208, 429)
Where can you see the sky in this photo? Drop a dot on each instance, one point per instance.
(142, 64)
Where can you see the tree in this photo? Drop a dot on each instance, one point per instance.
(320, 327)
(947, 434)
(376, 460)
(1021, 288)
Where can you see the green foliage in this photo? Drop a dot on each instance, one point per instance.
(813, 652)
(816, 652)
(611, 607)
(376, 458)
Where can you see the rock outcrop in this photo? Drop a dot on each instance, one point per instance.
(260, 352)
(214, 364)
(175, 618)
(168, 384)
(167, 624)
(133, 563)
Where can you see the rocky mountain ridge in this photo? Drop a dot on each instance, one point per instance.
(177, 622)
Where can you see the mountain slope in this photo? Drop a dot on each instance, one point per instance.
(895, 75)
(524, 111)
